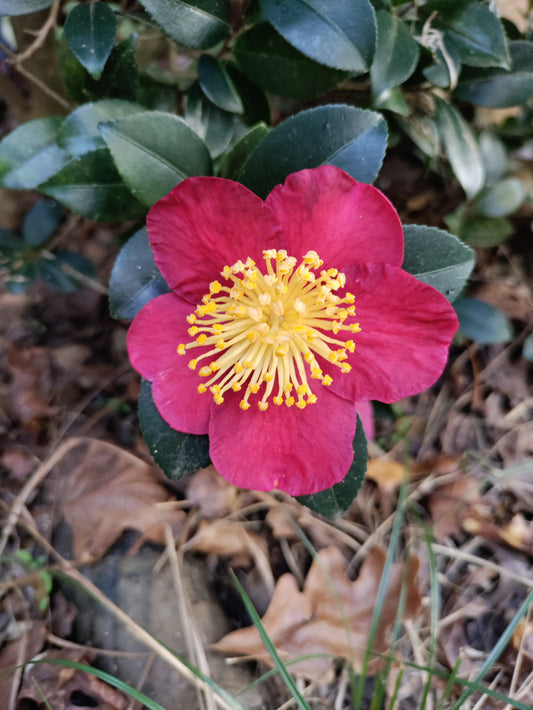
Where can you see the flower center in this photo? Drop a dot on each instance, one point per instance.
(270, 328)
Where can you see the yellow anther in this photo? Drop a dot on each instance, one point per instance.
(276, 328)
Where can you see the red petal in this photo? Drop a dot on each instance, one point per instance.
(300, 451)
(364, 409)
(204, 224)
(153, 339)
(344, 221)
(406, 330)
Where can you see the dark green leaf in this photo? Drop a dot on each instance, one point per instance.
(30, 155)
(119, 79)
(479, 231)
(175, 452)
(22, 7)
(501, 199)
(396, 55)
(41, 222)
(338, 34)
(217, 85)
(350, 138)
(477, 35)
(154, 151)
(276, 66)
(135, 278)
(497, 88)
(192, 23)
(90, 33)
(10, 242)
(91, 186)
(336, 500)
(424, 133)
(256, 107)
(214, 126)
(481, 322)
(235, 160)
(64, 271)
(79, 133)
(437, 258)
(461, 148)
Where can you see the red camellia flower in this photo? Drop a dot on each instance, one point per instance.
(283, 315)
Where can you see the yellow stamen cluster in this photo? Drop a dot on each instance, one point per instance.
(267, 329)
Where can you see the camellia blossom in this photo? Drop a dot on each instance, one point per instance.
(283, 315)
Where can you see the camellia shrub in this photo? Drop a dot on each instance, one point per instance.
(273, 291)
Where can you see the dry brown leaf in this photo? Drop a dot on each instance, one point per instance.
(278, 519)
(517, 533)
(213, 495)
(388, 475)
(449, 505)
(31, 383)
(231, 538)
(65, 688)
(105, 490)
(332, 614)
(21, 650)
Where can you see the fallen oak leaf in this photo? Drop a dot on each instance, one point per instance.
(105, 490)
(517, 533)
(330, 616)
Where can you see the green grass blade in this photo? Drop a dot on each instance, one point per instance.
(280, 666)
(496, 652)
(381, 595)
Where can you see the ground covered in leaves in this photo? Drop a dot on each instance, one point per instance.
(98, 548)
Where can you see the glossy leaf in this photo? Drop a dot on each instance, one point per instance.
(192, 23)
(476, 33)
(23, 7)
(336, 500)
(481, 322)
(79, 133)
(338, 33)
(29, 154)
(498, 88)
(276, 66)
(175, 452)
(90, 33)
(41, 222)
(501, 199)
(437, 258)
(461, 148)
(154, 151)
(235, 160)
(119, 79)
(255, 102)
(217, 85)
(91, 186)
(214, 126)
(135, 279)
(396, 55)
(350, 138)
